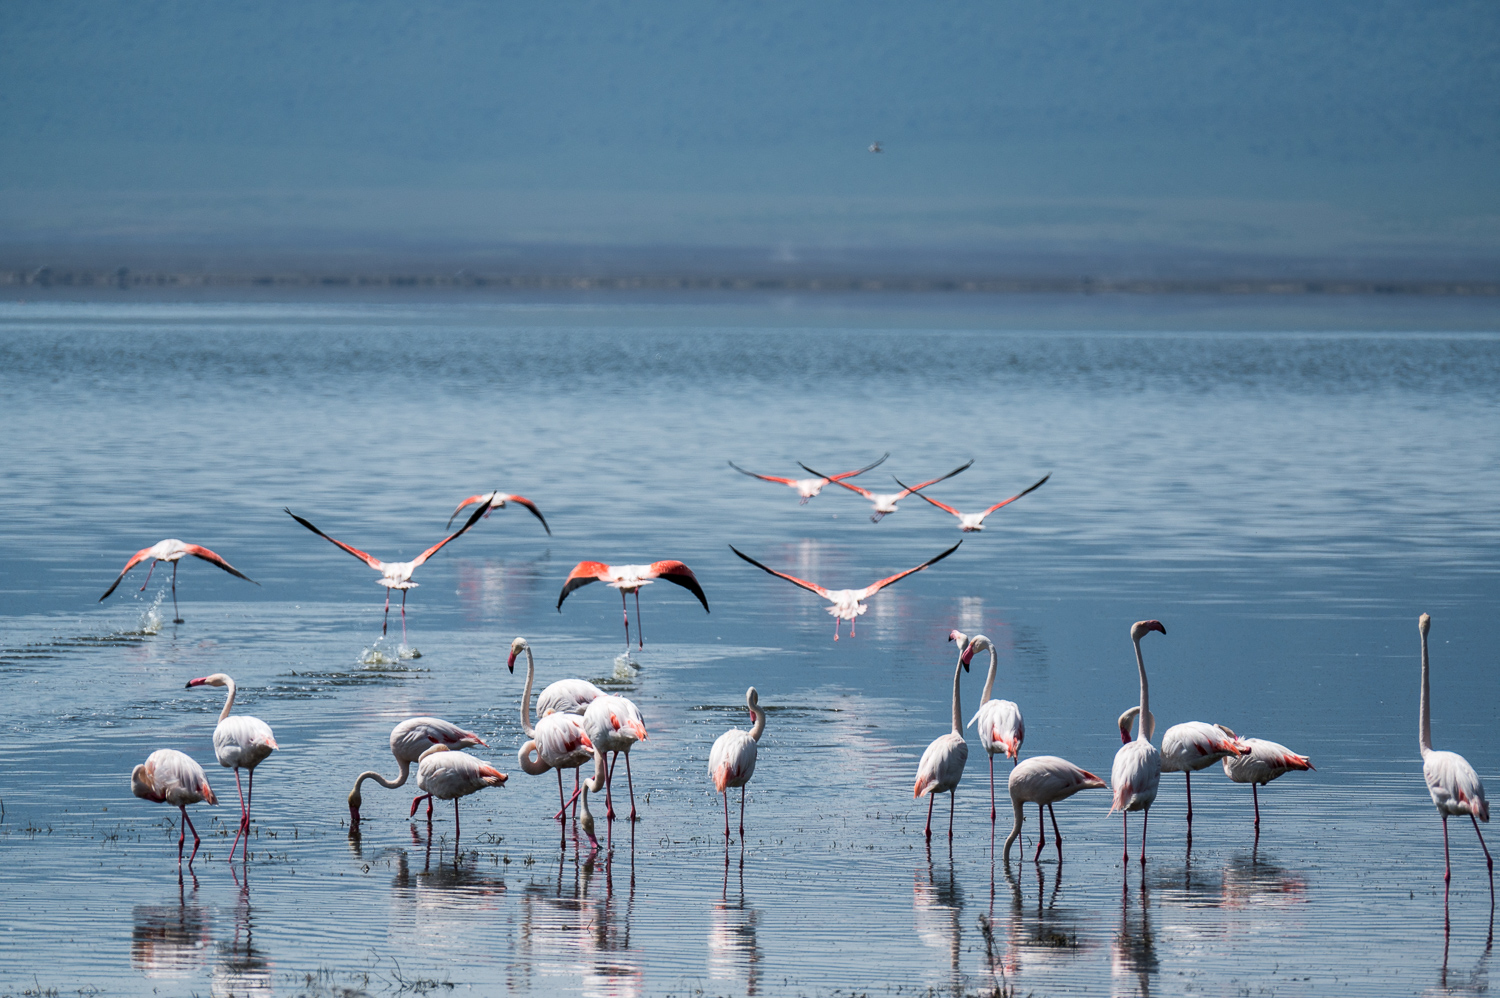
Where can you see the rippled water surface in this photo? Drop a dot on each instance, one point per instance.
(1286, 502)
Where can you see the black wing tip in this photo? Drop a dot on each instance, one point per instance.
(810, 471)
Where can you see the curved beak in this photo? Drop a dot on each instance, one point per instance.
(195, 682)
(510, 663)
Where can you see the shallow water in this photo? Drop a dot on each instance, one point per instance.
(1285, 502)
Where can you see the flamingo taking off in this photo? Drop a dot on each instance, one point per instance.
(1044, 780)
(171, 550)
(848, 604)
(1001, 727)
(731, 762)
(240, 742)
(497, 500)
(1194, 745)
(170, 777)
(630, 579)
(394, 574)
(409, 740)
(942, 765)
(885, 503)
(449, 775)
(1263, 763)
(1454, 785)
(1137, 769)
(809, 487)
(614, 724)
(971, 522)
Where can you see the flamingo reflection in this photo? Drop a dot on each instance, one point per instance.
(242, 969)
(1133, 953)
(938, 903)
(733, 949)
(170, 940)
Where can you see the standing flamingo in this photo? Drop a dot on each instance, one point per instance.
(809, 487)
(885, 503)
(1194, 745)
(566, 696)
(731, 762)
(1263, 763)
(409, 740)
(1137, 768)
(240, 742)
(449, 775)
(171, 550)
(614, 724)
(848, 604)
(1452, 782)
(497, 500)
(170, 777)
(630, 579)
(1001, 728)
(1044, 779)
(557, 741)
(971, 522)
(942, 765)
(393, 574)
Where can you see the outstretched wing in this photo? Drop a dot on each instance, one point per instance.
(534, 511)
(419, 559)
(931, 481)
(1015, 497)
(869, 591)
(467, 502)
(911, 490)
(852, 488)
(764, 478)
(368, 559)
(583, 573)
(860, 471)
(809, 586)
(135, 560)
(198, 551)
(677, 572)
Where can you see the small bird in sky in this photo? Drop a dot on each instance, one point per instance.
(875, 146)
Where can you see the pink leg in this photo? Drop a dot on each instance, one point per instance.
(403, 621)
(249, 804)
(1487, 860)
(852, 622)
(743, 791)
(1255, 796)
(416, 802)
(609, 781)
(726, 818)
(640, 632)
(836, 622)
(386, 620)
(1447, 868)
(625, 610)
(1125, 817)
(952, 800)
(455, 826)
(576, 787)
(992, 789)
(1057, 832)
(1041, 839)
(177, 619)
(930, 798)
(189, 823)
(148, 577)
(562, 815)
(1189, 777)
(241, 829)
(181, 833)
(631, 783)
(1145, 817)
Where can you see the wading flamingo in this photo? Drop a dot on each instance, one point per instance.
(171, 550)
(731, 762)
(971, 522)
(409, 740)
(885, 503)
(809, 487)
(497, 500)
(170, 777)
(240, 742)
(449, 775)
(614, 724)
(1137, 769)
(1263, 763)
(630, 579)
(1452, 782)
(593, 784)
(557, 741)
(848, 604)
(1044, 780)
(566, 696)
(942, 765)
(1001, 728)
(393, 574)
(1194, 745)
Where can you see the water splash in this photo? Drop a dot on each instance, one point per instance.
(151, 617)
(378, 656)
(625, 668)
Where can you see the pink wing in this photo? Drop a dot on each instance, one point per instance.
(930, 481)
(135, 560)
(1012, 498)
(809, 586)
(198, 551)
(912, 490)
(368, 559)
(859, 471)
(522, 500)
(419, 559)
(678, 573)
(764, 478)
(467, 502)
(829, 478)
(583, 573)
(869, 591)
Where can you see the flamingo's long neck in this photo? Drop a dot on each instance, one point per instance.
(1140, 663)
(229, 700)
(1015, 830)
(526, 696)
(399, 781)
(958, 720)
(1424, 729)
(759, 727)
(989, 681)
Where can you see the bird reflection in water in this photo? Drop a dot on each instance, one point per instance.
(1253, 883)
(241, 969)
(430, 907)
(1039, 937)
(733, 949)
(938, 903)
(170, 940)
(1134, 950)
(1477, 981)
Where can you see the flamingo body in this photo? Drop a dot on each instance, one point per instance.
(614, 724)
(809, 487)
(1195, 745)
(970, 522)
(630, 579)
(1264, 762)
(942, 765)
(731, 762)
(567, 696)
(243, 742)
(171, 777)
(409, 740)
(1045, 780)
(448, 775)
(1135, 776)
(1001, 728)
(497, 500)
(171, 550)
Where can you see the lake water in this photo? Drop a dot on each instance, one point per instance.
(1286, 487)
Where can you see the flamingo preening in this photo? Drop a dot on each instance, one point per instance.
(630, 579)
(240, 742)
(848, 604)
(971, 522)
(942, 765)
(449, 775)
(409, 740)
(1264, 762)
(614, 725)
(171, 550)
(1454, 785)
(885, 503)
(809, 487)
(1137, 769)
(731, 762)
(1044, 780)
(1193, 745)
(394, 574)
(1001, 727)
(497, 500)
(170, 777)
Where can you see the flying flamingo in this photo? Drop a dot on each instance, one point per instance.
(557, 741)
(848, 604)
(1263, 763)
(409, 740)
(885, 503)
(731, 762)
(170, 777)
(614, 724)
(809, 487)
(449, 775)
(971, 522)
(1194, 745)
(240, 742)
(1045, 779)
(1001, 728)
(171, 550)
(630, 579)
(942, 765)
(394, 574)
(1137, 768)
(497, 500)
(1452, 782)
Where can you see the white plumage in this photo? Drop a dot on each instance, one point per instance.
(731, 762)
(170, 777)
(240, 742)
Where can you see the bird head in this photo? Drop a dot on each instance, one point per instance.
(516, 647)
(1140, 628)
(217, 679)
(1424, 624)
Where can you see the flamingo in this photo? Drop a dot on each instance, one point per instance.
(1045, 780)
(557, 741)
(972, 522)
(809, 487)
(614, 724)
(240, 742)
(942, 765)
(409, 740)
(497, 500)
(1001, 728)
(171, 550)
(1137, 768)
(1194, 745)
(885, 503)
(630, 579)
(566, 696)
(848, 604)
(1263, 763)
(449, 775)
(731, 762)
(170, 777)
(393, 574)
(593, 784)
(1452, 782)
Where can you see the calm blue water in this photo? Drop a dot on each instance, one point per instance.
(1286, 502)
